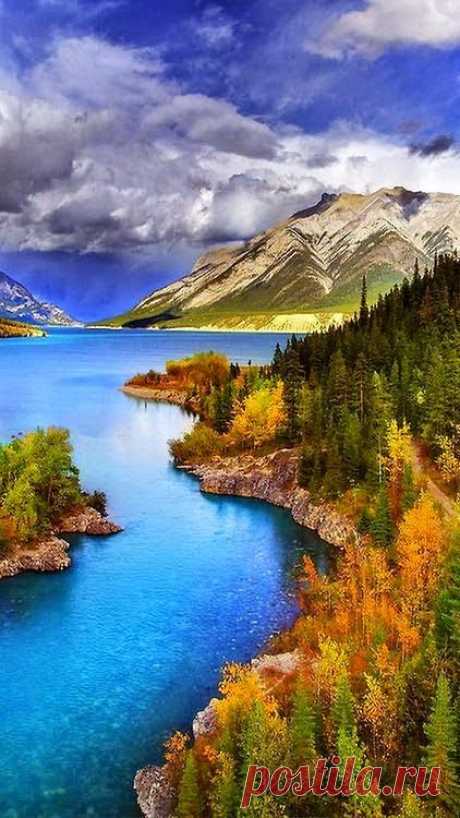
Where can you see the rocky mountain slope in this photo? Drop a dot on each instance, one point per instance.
(309, 268)
(18, 303)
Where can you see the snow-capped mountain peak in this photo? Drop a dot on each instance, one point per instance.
(18, 303)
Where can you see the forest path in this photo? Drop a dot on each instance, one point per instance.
(420, 470)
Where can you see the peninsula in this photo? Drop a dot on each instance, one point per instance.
(346, 429)
(40, 499)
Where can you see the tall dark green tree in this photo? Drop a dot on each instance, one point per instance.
(189, 803)
(382, 528)
(292, 377)
(302, 728)
(363, 307)
(441, 733)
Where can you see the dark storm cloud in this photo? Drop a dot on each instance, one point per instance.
(434, 147)
(101, 151)
(321, 160)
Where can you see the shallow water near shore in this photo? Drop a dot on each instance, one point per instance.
(98, 664)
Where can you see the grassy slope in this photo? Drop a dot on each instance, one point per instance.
(18, 329)
(256, 312)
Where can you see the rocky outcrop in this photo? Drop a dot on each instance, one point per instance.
(155, 796)
(205, 721)
(154, 793)
(280, 664)
(87, 521)
(273, 478)
(47, 555)
(51, 553)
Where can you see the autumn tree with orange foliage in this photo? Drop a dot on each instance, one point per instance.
(420, 546)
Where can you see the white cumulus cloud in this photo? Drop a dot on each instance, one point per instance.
(101, 152)
(383, 23)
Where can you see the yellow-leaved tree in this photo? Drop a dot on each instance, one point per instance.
(420, 545)
(399, 444)
(260, 417)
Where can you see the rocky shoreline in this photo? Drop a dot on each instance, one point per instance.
(177, 397)
(273, 479)
(51, 553)
(155, 795)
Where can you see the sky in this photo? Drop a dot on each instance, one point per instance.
(137, 134)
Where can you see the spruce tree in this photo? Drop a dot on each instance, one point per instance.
(306, 465)
(292, 377)
(333, 477)
(277, 360)
(382, 528)
(349, 746)
(409, 490)
(189, 804)
(363, 309)
(225, 794)
(302, 728)
(254, 750)
(447, 628)
(441, 732)
(343, 706)
(352, 447)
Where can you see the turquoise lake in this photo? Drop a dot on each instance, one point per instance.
(100, 663)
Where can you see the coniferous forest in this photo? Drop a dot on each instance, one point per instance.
(373, 408)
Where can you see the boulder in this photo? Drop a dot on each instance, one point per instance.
(49, 554)
(87, 521)
(205, 721)
(155, 795)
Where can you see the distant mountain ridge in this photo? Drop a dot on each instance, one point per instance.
(311, 265)
(18, 303)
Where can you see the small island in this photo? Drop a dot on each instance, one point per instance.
(41, 498)
(350, 430)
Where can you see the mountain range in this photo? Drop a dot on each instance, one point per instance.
(307, 271)
(18, 303)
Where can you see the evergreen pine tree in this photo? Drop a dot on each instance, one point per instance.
(409, 490)
(333, 477)
(447, 628)
(382, 528)
(277, 360)
(352, 448)
(254, 750)
(225, 794)
(302, 728)
(306, 465)
(441, 732)
(292, 377)
(349, 746)
(343, 706)
(189, 804)
(363, 309)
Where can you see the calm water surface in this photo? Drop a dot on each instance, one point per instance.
(98, 664)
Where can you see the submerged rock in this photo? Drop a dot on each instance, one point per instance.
(155, 795)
